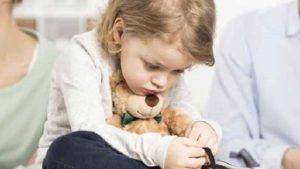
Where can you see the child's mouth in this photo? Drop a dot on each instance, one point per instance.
(151, 92)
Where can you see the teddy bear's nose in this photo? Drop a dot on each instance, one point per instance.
(151, 100)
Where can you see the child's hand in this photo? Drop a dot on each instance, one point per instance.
(184, 153)
(204, 134)
(291, 159)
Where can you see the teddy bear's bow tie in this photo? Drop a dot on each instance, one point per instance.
(128, 118)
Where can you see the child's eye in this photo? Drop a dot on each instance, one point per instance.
(152, 66)
(179, 71)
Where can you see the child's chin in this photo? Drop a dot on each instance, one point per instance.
(140, 93)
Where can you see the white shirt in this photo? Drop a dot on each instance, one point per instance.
(80, 99)
(256, 90)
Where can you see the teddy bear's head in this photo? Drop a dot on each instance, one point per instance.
(144, 114)
(125, 101)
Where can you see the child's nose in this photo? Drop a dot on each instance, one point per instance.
(151, 100)
(160, 81)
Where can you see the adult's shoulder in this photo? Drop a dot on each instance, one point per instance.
(271, 19)
(46, 51)
(46, 47)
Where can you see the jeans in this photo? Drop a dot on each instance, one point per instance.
(87, 150)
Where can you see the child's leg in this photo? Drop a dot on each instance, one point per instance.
(87, 150)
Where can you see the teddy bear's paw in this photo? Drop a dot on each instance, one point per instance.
(115, 120)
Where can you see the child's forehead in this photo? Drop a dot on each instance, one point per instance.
(155, 49)
(162, 43)
(163, 38)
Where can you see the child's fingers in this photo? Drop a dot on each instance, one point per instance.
(199, 130)
(190, 143)
(203, 140)
(188, 131)
(196, 152)
(210, 141)
(195, 162)
(212, 144)
(215, 149)
(207, 139)
(194, 134)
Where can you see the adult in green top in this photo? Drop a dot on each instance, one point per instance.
(26, 60)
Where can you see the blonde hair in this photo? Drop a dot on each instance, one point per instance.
(192, 21)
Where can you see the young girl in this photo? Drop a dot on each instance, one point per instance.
(152, 42)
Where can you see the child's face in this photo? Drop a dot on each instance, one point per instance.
(152, 66)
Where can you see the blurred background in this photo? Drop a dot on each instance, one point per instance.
(59, 20)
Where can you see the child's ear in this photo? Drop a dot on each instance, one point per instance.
(118, 29)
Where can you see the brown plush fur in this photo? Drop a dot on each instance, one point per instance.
(173, 122)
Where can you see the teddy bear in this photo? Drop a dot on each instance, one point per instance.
(144, 114)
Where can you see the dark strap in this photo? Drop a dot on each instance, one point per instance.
(212, 162)
(223, 165)
(246, 157)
